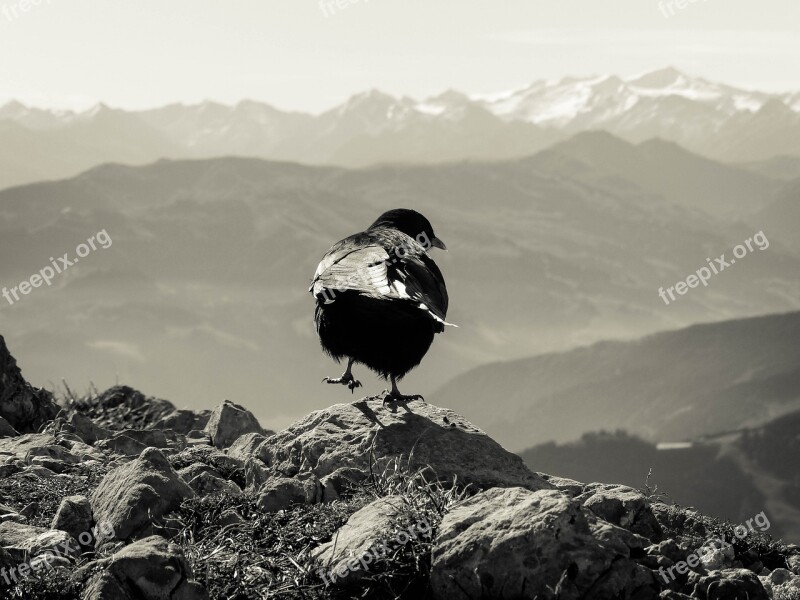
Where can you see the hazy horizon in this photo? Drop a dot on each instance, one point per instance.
(311, 56)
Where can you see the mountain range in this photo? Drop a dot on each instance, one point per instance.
(712, 119)
(672, 386)
(203, 293)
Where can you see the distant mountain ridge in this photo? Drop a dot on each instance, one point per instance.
(714, 120)
(211, 261)
(669, 386)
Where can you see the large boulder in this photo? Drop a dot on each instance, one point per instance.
(424, 435)
(230, 421)
(24, 407)
(516, 543)
(23, 542)
(133, 498)
(150, 569)
(370, 535)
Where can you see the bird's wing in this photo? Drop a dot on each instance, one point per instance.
(348, 268)
(371, 270)
(424, 283)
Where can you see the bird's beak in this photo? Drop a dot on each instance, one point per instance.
(437, 243)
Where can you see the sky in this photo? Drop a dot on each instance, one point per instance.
(310, 55)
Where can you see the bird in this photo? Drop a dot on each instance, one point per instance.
(380, 299)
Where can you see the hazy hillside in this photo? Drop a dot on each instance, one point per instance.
(211, 260)
(734, 477)
(712, 119)
(666, 387)
(782, 214)
(662, 168)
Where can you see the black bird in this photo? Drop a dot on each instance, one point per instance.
(380, 298)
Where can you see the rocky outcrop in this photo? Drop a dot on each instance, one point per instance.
(230, 421)
(423, 435)
(24, 407)
(133, 498)
(150, 569)
(514, 543)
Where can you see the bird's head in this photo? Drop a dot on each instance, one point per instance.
(413, 224)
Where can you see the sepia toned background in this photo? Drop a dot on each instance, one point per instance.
(576, 157)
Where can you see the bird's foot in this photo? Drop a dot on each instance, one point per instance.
(390, 396)
(347, 379)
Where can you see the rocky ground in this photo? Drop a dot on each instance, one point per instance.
(117, 496)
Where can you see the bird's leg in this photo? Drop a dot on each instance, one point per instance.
(394, 394)
(346, 378)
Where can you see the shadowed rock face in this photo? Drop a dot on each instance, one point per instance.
(426, 436)
(24, 407)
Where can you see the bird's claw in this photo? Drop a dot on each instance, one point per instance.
(390, 397)
(350, 382)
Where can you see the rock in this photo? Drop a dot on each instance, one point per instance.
(85, 428)
(255, 474)
(6, 430)
(74, 516)
(122, 445)
(22, 406)
(279, 493)
(793, 562)
(192, 471)
(150, 569)
(781, 576)
(83, 451)
(568, 486)
(623, 506)
(39, 472)
(54, 457)
(368, 536)
(25, 541)
(19, 447)
(349, 435)
(207, 455)
(228, 422)
(246, 446)
(515, 543)
(150, 438)
(730, 583)
(133, 496)
(206, 484)
(183, 421)
(339, 482)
